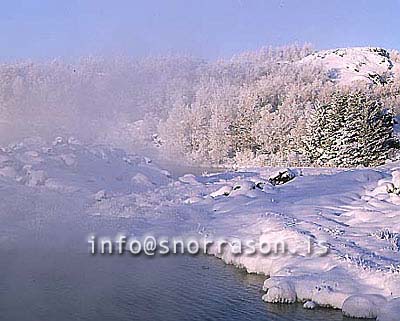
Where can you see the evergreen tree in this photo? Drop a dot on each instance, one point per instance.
(353, 129)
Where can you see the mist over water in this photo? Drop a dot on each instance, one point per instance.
(122, 101)
(94, 99)
(48, 274)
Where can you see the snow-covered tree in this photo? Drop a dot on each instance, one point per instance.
(251, 108)
(353, 129)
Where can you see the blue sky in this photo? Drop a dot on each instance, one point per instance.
(42, 29)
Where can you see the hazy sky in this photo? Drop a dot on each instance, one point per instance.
(204, 28)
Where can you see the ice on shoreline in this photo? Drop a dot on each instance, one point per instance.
(356, 212)
(348, 209)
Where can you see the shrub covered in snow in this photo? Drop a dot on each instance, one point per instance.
(282, 177)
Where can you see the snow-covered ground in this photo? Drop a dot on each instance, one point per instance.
(355, 212)
(351, 211)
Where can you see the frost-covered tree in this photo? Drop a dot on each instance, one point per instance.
(251, 108)
(247, 109)
(353, 129)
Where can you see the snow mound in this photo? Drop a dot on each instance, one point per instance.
(310, 305)
(390, 311)
(65, 165)
(346, 65)
(396, 178)
(141, 179)
(279, 291)
(100, 195)
(282, 177)
(34, 177)
(223, 191)
(243, 187)
(388, 188)
(188, 179)
(363, 306)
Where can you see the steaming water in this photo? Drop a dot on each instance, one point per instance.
(47, 274)
(173, 288)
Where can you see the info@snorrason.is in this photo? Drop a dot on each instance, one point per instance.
(151, 245)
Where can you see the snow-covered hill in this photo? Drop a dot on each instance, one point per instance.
(346, 65)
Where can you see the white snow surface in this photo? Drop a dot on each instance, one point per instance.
(65, 165)
(347, 65)
(350, 210)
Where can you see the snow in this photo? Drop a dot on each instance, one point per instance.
(363, 306)
(346, 209)
(309, 305)
(396, 178)
(348, 65)
(100, 195)
(350, 212)
(65, 163)
(224, 190)
(390, 311)
(279, 291)
(282, 177)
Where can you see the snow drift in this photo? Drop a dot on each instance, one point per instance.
(352, 211)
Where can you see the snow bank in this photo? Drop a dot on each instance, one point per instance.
(363, 306)
(345, 210)
(348, 217)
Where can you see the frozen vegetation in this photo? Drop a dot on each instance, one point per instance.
(271, 107)
(254, 108)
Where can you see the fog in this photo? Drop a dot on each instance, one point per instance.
(95, 99)
(122, 68)
(121, 101)
(254, 106)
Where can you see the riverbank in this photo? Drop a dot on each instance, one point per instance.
(355, 212)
